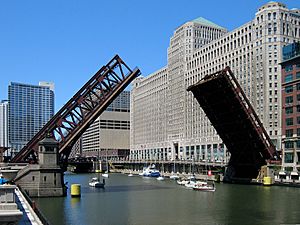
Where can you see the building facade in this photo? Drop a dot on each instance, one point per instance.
(108, 136)
(253, 52)
(291, 105)
(30, 108)
(4, 123)
(148, 117)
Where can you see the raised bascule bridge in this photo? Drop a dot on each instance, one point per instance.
(230, 112)
(67, 125)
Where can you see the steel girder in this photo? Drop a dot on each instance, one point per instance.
(69, 123)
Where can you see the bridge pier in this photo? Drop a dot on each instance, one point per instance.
(46, 178)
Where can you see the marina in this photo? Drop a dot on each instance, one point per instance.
(144, 200)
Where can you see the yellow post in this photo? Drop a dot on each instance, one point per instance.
(267, 181)
(75, 190)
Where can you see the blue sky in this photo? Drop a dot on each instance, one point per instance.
(67, 41)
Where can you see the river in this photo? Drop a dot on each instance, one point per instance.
(137, 200)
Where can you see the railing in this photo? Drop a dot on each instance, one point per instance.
(34, 207)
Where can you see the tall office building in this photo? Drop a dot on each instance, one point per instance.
(186, 39)
(291, 105)
(253, 52)
(4, 123)
(108, 136)
(148, 116)
(30, 108)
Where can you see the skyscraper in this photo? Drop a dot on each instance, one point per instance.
(30, 107)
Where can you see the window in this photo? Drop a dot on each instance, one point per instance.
(288, 68)
(289, 121)
(289, 110)
(298, 119)
(288, 157)
(297, 75)
(298, 131)
(298, 97)
(288, 78)
(289, 89)
(289, 99)
(289, 133)
(289, 144)
(298, 87)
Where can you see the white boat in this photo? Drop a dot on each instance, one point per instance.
(150, 171)
(174, 177)
(160, 178)
(182, 182)
(105, 175)
(190, 184)
(204, 186)
(130, 175)
(94, 182)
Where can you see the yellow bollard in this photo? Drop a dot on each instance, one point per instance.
(267, 181)
(75, 190)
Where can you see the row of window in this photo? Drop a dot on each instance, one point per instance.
(290, 144)
(290, 110)
(290, 88)
(290, 121)
(290, 77)
(290, 67)
(290, 132)
(289, 99)
(114, 124)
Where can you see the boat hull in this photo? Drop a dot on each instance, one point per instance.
(204, 189)
(152, 174)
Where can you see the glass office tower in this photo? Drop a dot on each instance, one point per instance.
(30, 108)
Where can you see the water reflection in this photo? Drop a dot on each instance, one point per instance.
(135, 200)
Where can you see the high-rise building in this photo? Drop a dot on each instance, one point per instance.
(109, 135)
(148, 116)
(4, 123)
(253, 52)
(30, 108)
(291, 105)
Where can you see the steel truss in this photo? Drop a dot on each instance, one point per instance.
(69, 123)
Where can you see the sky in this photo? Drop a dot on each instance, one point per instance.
(68, 41)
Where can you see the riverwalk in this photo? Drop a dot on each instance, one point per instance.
(17, 208)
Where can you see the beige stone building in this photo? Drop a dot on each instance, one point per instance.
(198, 48)
(109, 135)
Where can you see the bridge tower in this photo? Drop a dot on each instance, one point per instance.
(46, 178)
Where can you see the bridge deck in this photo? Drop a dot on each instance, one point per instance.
(236, 122)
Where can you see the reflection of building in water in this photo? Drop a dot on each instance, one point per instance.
(109, 133)
(167, 122)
